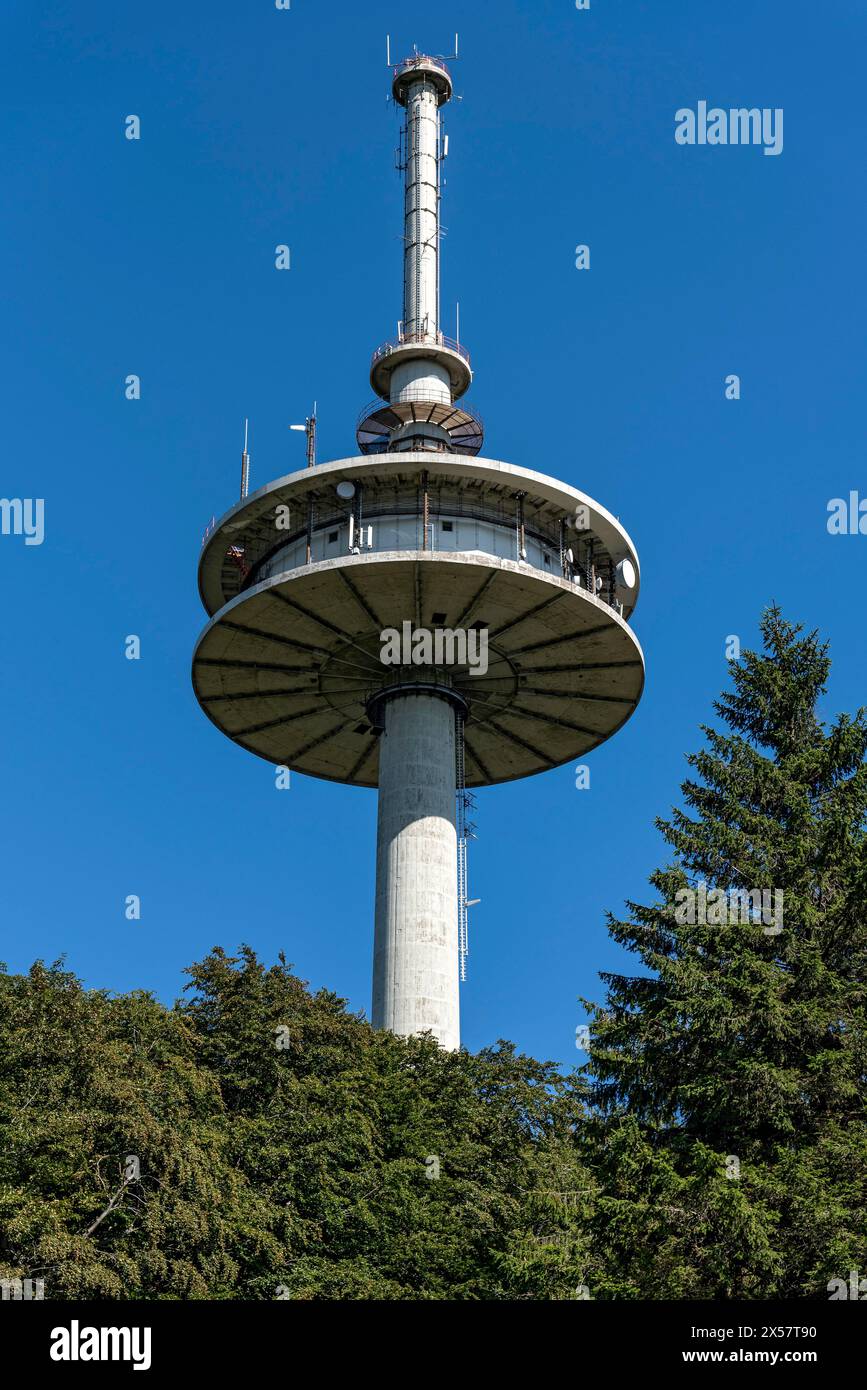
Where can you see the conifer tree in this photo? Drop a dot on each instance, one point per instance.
(729, 1076)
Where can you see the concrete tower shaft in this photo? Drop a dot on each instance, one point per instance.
(415, 953)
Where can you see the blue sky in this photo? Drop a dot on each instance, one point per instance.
(156, 257)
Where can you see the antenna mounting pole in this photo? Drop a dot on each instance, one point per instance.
(245, 466)
(311, 439)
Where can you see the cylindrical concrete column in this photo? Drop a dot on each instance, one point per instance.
(415, 954)
(418, 380)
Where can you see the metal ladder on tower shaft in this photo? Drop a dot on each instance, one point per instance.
(464, 803)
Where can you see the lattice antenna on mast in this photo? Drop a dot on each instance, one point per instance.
(245, 466)
(309, 429)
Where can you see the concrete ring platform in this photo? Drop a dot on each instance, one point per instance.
(285, 669)
(385, 362)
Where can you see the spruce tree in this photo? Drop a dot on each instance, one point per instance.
(729, 1076)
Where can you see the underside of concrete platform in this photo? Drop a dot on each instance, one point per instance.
(287, 668)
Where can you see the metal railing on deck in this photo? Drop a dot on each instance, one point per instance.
(423, 340)
(416, 60)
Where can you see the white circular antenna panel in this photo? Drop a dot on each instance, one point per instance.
(346, 491)
(626, 575)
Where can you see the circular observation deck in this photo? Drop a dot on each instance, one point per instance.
(290, 666)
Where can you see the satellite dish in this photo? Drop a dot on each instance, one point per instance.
(626, 575)
(346, 491)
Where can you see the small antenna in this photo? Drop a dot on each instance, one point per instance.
(458, 338)
(309, 429)
(456, 46)
(245, 465)
(388, 49)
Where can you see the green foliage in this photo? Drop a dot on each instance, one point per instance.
(744, 1047)
(286, 1150)
(715, 1148)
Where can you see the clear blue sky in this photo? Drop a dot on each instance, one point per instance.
(156, 257)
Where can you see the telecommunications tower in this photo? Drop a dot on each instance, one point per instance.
(418, 536)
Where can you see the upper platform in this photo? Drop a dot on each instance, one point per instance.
(448, 354)
(420, 65)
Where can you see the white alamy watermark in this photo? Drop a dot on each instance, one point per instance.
(77, 1343)
(436, 646)
(26, 1289)
(739, 907)
(736, 126)
(854, 1288)
(847, 516)
(23, 516)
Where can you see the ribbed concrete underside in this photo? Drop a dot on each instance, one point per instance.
(285, 669)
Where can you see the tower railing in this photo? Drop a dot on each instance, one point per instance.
(423, 340)
(417, 58)
(419, 396)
